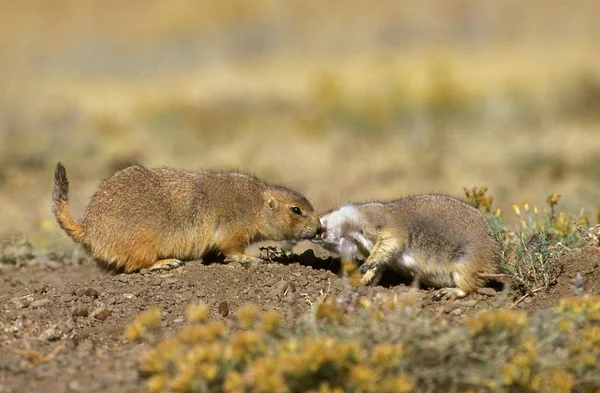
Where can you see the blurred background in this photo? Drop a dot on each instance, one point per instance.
(339, 100)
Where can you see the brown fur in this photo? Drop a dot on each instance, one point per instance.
(447, 242)
(145, 218)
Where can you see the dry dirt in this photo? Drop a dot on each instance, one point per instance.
(61, 325)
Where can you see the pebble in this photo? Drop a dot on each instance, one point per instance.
(123, 277)
(51, 334)
(224, 309)
(80, 311)
(144, 271)
(102, 314)
(128, 295)
(140, 291)
(272, 281)
(470, 302)
(23, 303)
(487, 291)
(457, 311)
(80, 292)
(279, 289)
(91, 292)
(40, 303)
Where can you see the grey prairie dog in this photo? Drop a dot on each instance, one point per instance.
(158, 218)
(437, 240)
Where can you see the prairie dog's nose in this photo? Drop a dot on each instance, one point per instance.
(320, 230)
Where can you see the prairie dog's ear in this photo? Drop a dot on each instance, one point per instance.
(272, 203)
(271, 200)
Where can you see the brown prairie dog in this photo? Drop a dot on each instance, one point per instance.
(437, 240)
(157, 218)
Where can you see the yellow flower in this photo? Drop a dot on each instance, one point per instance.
(270, 321)
(157, 383)
(247, 315)
(197, 313)
(517, 210)
(553, 199)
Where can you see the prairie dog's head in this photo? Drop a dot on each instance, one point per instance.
(288, 215)
(342, 233)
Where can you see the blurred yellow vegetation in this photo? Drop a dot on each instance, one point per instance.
(557, 350)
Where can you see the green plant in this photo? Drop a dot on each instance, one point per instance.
(16, 250)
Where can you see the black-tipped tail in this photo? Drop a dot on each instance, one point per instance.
(60, 205)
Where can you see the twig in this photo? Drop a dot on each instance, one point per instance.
(525, 296)
(492, 275)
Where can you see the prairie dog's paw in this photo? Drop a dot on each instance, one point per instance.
(449, 293)
(368, 277)
(167, 264)
(243, 258)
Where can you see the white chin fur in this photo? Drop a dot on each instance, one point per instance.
(346, 245)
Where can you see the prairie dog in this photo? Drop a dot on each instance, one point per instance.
(158, 218)
(437, 240)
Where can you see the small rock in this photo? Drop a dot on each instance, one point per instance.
(91, 292)
(292, 297)
(128, 295)
(50, 334)
(101, 314)
(41, 288)
(80, 311)
(279, 289)
(111, 301)
(470, 302)
(123, 277)
(23, 303)
(457, 311)
(144, 271)
(272, 282)
(69, 298)
(224, 309)
(234, 265)
(487, 291)
(171, 281)
(178, 320)
(40, 303)
(80, 292)
(140, 291)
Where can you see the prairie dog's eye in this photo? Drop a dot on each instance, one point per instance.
(296, 210)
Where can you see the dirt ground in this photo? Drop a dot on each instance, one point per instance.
(61, 325)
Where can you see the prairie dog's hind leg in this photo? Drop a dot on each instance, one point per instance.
(167, 264)
(462, 287)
